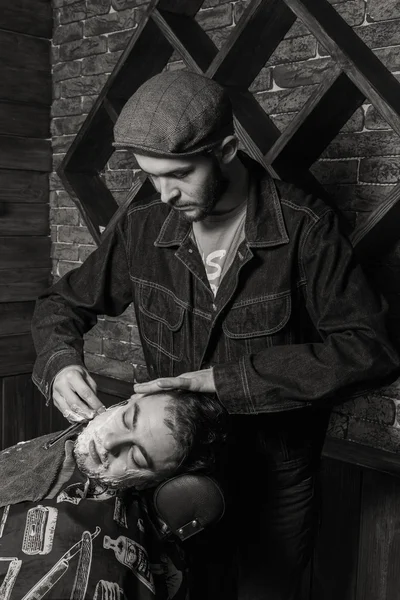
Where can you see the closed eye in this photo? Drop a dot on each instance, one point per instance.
(130, 424)
(137, 458)
(131, 454)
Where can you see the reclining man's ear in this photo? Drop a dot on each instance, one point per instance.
(189, 503)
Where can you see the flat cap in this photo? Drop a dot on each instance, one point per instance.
(175, 113)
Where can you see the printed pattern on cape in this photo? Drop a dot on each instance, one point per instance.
(85, 544)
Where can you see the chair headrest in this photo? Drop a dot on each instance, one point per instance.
(189, 503)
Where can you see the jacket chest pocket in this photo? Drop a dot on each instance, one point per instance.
(161, 322)
(258, 324)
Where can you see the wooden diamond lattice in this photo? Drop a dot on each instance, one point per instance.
(170, 25)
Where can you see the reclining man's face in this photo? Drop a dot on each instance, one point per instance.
(129, 444)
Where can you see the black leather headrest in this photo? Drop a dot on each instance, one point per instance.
(188, 503)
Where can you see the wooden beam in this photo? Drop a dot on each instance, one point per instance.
(362, 456)
(27, 16)
(25, 153)
(23, 219)
(178, 7)
(131, 70)
(320, 120)
(188, 38)
(92, 146)
(258, 134)
(354, 57)
(20, 252)
(258, 33)
(23, 186)
(93, 198)
(19, 284)
(254, 127)
(24, 120)
(142, 188)
(111, 111)
(380, 230)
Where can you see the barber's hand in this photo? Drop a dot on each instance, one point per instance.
(195, 381)
(74, 394)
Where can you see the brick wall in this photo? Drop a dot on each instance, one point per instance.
(359, 167)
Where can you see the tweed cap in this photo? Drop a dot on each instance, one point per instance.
(173, 114)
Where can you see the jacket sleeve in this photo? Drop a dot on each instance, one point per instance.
(354, 353)
(66, 311)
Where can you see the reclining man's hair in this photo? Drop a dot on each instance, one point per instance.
(198, 423)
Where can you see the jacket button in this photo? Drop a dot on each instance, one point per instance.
(214, 307)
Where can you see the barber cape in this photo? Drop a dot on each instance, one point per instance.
(66, 536)
(28, 471)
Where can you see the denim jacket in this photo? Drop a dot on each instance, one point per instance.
(293, 323)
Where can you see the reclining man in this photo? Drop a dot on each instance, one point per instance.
(54, 539)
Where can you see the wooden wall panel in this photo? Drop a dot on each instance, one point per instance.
(27, 16)
(24, 186)
(357, 552)
(24, 120)
(379, 558)
(15, 317)
(23, 219)
(21, 251)
(25, 162)
(17, 354)
(334, 572)
(33, 86)
(18, 284)
(23, 410)
(24, 52)
(31, 154)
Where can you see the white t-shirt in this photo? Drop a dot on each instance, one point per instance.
(218, 238)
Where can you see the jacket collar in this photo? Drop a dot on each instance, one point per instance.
(265, 225)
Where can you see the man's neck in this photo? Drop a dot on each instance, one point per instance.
(237, 189)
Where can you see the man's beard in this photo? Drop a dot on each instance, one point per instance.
(216, 186)
(83, 457)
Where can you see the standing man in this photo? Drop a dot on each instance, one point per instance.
(242, 286)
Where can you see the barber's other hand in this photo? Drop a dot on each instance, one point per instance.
(74, 394)
(195, 381)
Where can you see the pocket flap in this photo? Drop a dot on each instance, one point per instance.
(161, 306)
(258, 317)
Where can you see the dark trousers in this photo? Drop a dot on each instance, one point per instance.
(260, 549)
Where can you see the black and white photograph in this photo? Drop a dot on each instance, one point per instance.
(199, 288)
